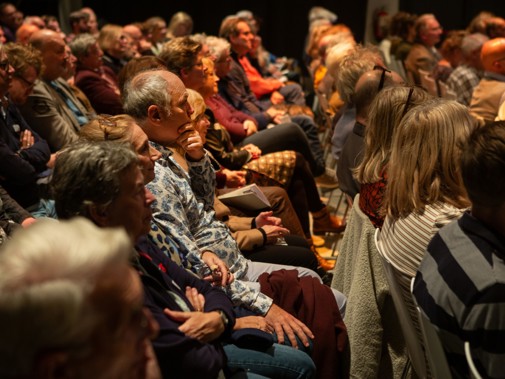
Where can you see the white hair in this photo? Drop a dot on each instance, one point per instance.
(472, 42)
(318, 13)
(47, 273)
(217, 46)
(336, 53)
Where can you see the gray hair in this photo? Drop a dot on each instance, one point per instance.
(352, 66)
(88, 173)
(144, 90)
(321, 13)
(81, 43)
(47, 273)
(472, 42)
(422, 21)
(217, 46)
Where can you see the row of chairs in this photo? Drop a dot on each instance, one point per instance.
(376, 307)
(438, 365)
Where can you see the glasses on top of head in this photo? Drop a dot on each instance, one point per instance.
(407, 103)
(4, 65)
(25, 81)
(106, 122)
(383, 76)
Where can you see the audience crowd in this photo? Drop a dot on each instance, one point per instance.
(118, 258)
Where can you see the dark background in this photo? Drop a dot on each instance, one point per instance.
(284, 22)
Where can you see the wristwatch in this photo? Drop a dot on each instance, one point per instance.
(224, 318)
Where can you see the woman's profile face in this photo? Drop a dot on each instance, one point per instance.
(146, 153)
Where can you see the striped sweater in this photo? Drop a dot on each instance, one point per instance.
(460, 286)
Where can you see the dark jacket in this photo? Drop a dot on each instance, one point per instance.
(19, 169)
(219, 144)
(100, 90)
(180, 356)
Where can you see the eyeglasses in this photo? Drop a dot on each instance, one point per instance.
(407, 103)
(25, 81)
(4, 65)
(383, 76)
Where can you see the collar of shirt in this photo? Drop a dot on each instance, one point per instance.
(472, 225)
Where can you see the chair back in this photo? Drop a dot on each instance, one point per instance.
(437, 359)
(474, 373)
(415, 350)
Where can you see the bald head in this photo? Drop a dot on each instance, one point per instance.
(493, 55)
(40, 38)
(24, 33)
(369, 85)
(53, 51)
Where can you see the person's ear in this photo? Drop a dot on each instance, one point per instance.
(154, 114)
(99, 214)
(184, 73)
(52, 365)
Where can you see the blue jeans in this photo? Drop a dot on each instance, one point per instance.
(276, 361)
(44, 208)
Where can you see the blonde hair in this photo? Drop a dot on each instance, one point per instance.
(385, 113)
(108, 36)
(425, 158)
(197, 103)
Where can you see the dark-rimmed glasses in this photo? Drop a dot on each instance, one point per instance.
(25, 81)
(383, 76)
(4, 65)
(106, 122)
(407, 103)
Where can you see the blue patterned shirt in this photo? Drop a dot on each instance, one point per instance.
(183, 211)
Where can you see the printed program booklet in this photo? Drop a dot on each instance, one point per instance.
(248, 197)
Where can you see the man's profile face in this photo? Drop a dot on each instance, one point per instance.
(171, 125)
(243, 40)
(432, 32)
(131, 208)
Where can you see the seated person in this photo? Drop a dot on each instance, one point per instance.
(52, 109)
(114, 45)
(103, 181)
(257, 244)
(368, 86)
(234, 90)
(269, 90)
(24, 155)
(12, 215)
(184, 203)
(459, 284)
(97, 81)
(96, 324)
(287, 168)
